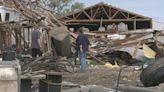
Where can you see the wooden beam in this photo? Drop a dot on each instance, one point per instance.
(68, 17)
(92, 13)
(110, 13)
(133, 17)
(123, 41)
(96, 12)
(73, 16)
(115, 14)
(18, 37)
(8, 39)
(128, 15)
(105, 11)
(124, 15)
(126, 11)
(104, 20)
(28, 36)
(78, 15)
(133, 39)
(135, 24)
(87, 14)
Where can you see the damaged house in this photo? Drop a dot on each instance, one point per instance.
(118, 37)
(104, 15)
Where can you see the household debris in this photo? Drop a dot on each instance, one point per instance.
(46, 22)
(134, 45)
(110, 48)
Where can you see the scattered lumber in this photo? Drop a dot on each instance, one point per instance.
(105, 42)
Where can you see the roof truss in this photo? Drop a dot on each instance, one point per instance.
(102, 11)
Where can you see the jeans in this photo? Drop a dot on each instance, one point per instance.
(82, 56)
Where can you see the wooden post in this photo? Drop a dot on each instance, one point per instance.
(8, 41)
(18, 40)
(29, 37)
(101, 22)
(24, 38)
(5, 39)
(0, 39)
(134, 24)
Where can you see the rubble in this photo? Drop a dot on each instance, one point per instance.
(133, 43)
(54, 33)
(112, 48)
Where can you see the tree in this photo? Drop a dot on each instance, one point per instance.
(62, 7)
(77, 6)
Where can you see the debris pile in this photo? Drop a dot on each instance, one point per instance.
(124, 46)
(115, 47)
(42, 19)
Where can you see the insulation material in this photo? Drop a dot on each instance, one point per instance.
(148, 52)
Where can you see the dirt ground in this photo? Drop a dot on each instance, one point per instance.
(104, 76)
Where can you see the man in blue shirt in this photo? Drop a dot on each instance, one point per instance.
(82, 46)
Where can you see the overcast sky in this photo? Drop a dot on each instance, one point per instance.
(150, 8)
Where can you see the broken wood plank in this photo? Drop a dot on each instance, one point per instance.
(35, 61)
(98, 60)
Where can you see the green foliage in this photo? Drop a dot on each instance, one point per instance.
(77, 6)
(62, 7)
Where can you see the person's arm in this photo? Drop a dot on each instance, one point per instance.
(38, 42)
(88, 43)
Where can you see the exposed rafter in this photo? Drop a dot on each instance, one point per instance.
(78, 14)
(101, 9)
(115, 14)
(107, 14)
(87, 14)
(96, 12)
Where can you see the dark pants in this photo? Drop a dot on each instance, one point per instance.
(35, 52)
